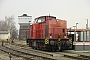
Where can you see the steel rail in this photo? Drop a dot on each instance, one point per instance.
(33, 50)
(15, 53)
(31, 54)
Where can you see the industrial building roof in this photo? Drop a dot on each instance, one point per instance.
(79, 29)
(4, 32)
(24, 15)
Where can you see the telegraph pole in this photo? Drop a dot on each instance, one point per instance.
(74, 34)
(87, 24)
(76, 25)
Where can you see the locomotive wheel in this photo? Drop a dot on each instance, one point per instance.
(48, 48)
(53, 48)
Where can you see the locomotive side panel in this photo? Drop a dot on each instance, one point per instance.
(42, 30)
(34, 31)
(31, 31)
(34, 25)
(37, 30)
(56, 27)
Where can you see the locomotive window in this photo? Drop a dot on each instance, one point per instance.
(42, 19)
(63, 30)
(53, 18)
(25, 27)
(39, 20)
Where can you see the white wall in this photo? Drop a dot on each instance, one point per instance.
(4, 36)
(9, 35)
(88, 38)
(24, 19)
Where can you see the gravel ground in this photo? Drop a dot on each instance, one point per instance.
(5, 56)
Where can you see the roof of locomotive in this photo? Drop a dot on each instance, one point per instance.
(44, 16)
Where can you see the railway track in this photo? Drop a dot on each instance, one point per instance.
(77, 56)
(37, 55)
(16, 53)
(68, 55)
(28, 50)
(34, 55)
(36, 51)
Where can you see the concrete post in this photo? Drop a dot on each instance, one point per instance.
(89, 35)
(10, 56)
(83, 41)
(86, 35)
(74, 35)
(2, 43)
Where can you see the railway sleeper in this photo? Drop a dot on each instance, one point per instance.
(17, 45)
(73, 57)
(25, 57)
(47, 58)
(88, 57)
(82, 58)
(76, 57)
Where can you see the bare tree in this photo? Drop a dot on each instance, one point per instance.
(8, 24)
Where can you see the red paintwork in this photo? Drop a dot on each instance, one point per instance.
(38, 30)
(56, 27)
(35, 31)
(31, 34)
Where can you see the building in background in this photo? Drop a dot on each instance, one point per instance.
(80, 38)
(5, 35)
(24, 22)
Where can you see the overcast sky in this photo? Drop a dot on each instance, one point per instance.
(70, 10)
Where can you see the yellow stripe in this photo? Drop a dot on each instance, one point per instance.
(70, 40)
(59, 39)
(46, 41)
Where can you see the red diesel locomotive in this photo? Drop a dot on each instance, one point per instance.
(49, 34)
